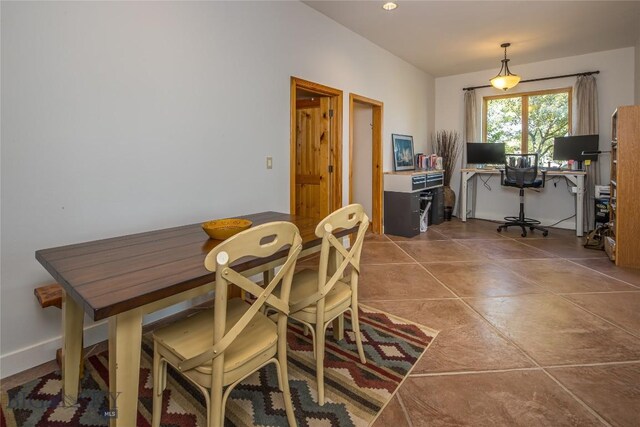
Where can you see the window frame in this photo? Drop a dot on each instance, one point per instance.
(524, 143)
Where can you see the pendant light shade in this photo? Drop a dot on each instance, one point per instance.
(505, 79)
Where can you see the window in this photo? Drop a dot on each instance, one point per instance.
(528, 122)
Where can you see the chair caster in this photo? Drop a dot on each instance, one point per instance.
(545, 233)
(499, 229)
(524, 234)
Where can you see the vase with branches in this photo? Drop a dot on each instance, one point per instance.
(446, 144)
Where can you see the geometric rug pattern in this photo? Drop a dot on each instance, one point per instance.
(354, 392)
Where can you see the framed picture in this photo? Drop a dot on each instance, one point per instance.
(403, 159)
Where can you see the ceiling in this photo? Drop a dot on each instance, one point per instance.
(454, 37)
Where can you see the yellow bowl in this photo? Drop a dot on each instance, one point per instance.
(222, 229)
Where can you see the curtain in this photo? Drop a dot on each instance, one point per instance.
(470, 133)
(586, 92)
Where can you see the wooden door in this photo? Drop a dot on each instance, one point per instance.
(312, 157)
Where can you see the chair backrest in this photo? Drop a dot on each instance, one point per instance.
(262, 241)
(330, 268)
(521, 169)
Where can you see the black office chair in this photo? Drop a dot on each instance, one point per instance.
(521, 171)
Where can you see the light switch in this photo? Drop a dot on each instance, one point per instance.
(269, 162)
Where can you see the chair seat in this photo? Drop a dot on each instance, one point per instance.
(512, 183)
(194, 335)
(305, 283)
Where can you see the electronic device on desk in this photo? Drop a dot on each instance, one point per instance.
(573, 147)
(484, 154)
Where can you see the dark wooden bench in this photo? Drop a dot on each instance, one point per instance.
(51, 296)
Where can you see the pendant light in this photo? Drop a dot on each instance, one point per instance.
(389, 6)
(507, 80)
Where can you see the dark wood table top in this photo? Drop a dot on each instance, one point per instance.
(114, 275)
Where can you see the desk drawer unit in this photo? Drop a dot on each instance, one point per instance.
(402, 213)
(402, 200)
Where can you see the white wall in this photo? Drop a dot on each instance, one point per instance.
(363, 156)
(554, 203)
(126, 117)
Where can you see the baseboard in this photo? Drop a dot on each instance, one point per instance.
(45, 351)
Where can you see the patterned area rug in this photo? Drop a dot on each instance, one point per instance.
(355, 393)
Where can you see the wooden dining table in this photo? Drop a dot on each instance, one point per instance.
(123, 278)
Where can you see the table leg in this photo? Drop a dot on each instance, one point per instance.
(125, 336)
(463, 196)
(72, 323)
(580, 205)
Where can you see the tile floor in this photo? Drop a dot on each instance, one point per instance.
(534, 331)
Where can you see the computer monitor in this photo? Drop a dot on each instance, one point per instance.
(485, 153)
(571, 147)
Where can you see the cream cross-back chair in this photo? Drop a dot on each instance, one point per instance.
(317, 298)
(220, 347)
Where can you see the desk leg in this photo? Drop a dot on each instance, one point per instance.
(72, 323)
(463, 196)
(125, 336)
(579, 205)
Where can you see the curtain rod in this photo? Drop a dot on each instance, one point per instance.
(588, 73)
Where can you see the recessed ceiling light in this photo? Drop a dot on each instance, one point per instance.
(389, 6)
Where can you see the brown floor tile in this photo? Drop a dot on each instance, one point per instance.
(398, 281)
(440, 251)
(481, 278)
(563, 276)
(605, 266)
(430, 234)
(504, 249)
(518, 398)
(373, 237)
(472, 229)
(383, 253)
(555, 332)
(471, 225)
(392, 415)
(621, 308)
(554, 233)
(571, 247)
(465, 341)
(612, 391)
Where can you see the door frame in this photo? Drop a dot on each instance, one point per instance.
(335, 147)
(376, 166)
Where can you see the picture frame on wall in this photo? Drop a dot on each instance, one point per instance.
(403, 159)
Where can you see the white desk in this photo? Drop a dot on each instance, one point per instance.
(574, 177)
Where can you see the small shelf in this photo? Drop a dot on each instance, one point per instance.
(624, 248)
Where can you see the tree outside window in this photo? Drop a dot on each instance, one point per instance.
(528, 122)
